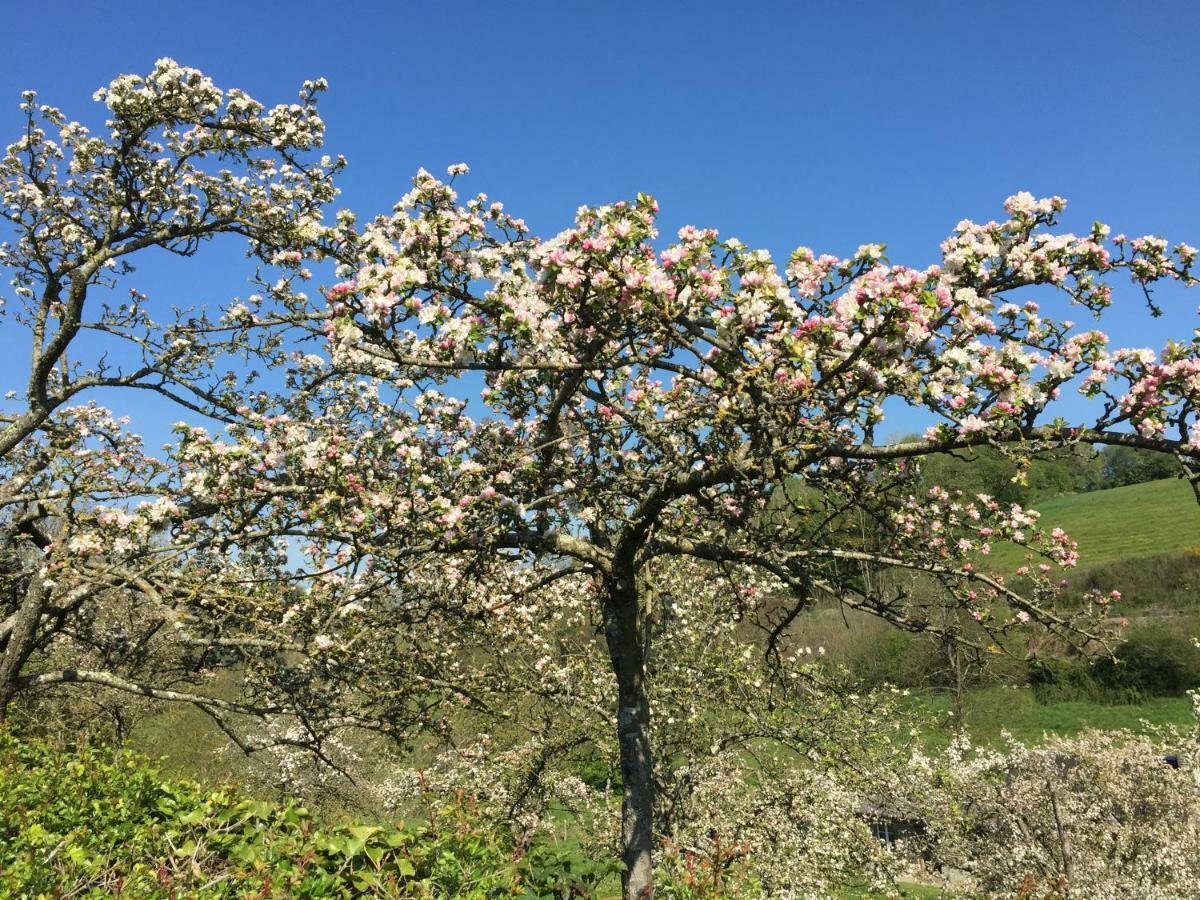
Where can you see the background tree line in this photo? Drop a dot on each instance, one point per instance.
(1062, 470)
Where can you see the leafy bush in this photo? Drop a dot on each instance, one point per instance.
(717, 873)
(1164, 581)
(93, 823)
(598, 771)
(894, 657)
(1060, 680)
(1157, 660)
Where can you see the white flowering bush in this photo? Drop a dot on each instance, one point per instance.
(1101, 815)
(792, 833)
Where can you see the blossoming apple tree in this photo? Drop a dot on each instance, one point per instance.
(645, 409)
(91, 577)
(697, 401)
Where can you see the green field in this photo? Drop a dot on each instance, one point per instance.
(991, 711)
(1139, 520)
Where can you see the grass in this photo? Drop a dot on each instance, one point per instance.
(1139, 520)
(907, 890)
(186, 744)
(991, 711)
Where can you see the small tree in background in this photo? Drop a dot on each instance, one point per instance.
(1120, 466)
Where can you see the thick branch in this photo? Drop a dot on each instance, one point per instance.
(107, 679)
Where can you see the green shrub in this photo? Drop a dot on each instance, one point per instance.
(1168, 581)
(1157, 660)
(595, 768)
(1061, 680)
(898, 657)
(93, 823)
(720, 874)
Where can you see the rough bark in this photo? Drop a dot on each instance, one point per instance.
(20, 641)
(626, 646)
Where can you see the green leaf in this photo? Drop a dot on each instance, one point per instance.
(364, 832)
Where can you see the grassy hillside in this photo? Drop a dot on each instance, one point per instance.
(992, 711)
(1148, 519)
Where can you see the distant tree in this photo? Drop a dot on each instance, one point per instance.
(1014, 477)
(1126, 465)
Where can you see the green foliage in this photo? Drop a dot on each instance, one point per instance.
(552, 870)
(1157, 660)
(985, 470)
(1063, 471)
(1121, 466)
(1166, 581)
(716, 873)
(94, 823)
(593, 767)
(904, 890)
(897, 657)
(1058, 680)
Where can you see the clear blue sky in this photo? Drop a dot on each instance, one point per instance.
(780, 123)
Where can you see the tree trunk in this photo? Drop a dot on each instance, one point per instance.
(19, 645)
(627, 649)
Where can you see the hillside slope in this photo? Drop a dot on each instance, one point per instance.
(1138, 520)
